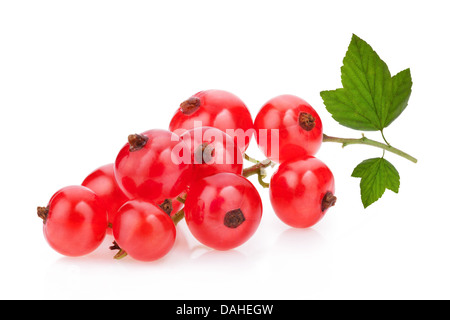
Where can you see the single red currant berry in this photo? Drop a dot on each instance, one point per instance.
(103, 183)
(143, 230)
(219, 109)
(151, 167)
(223, 211)
(75, 221)
(301, 191)
(212, 151)
(288, 127)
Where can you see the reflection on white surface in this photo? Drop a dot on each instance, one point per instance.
(191, 269)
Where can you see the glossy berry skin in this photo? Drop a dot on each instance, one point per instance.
(103, 183)
(75, 221)
(212, 151)
(143, 230)
(153, 168)
(301, 191)
(223, 211)
(219, 109)
(298, 128)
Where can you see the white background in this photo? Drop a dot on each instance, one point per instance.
(76, 77)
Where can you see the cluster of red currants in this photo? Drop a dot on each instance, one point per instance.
(195, 171)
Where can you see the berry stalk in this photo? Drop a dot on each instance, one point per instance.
(177, 217)
(258, 169)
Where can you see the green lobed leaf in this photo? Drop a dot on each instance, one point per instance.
(370, 98)
(401, 91)
(377, 175)
(364, 75)
(346, 111)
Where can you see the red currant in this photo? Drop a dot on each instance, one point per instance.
(103, 183)
(223, 211)
(143, 231)
(219, 109)
(287, 127)
(75, 221)
(301, 191)
(149, 167)
(212, 151)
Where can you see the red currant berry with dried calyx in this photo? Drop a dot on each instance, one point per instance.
(143, 231)
(151, 166)
(223, 211)
(75, 221)
(219, 109)
(301, 191)
(288, 127)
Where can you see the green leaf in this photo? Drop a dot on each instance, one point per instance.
(401, 91)
(377, 175)
(346, 111)
(364, 75)
(370, 98)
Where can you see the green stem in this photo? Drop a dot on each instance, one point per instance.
(384, 138)
(258, 169)
(250, 159)
(177, 217)
(262, 182)
(369, 142)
